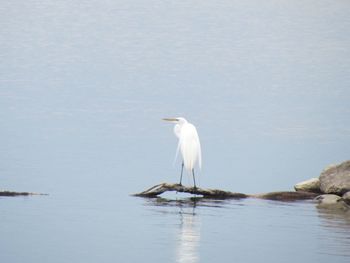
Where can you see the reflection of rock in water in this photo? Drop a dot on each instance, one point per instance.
(337, 223)
(188, 238)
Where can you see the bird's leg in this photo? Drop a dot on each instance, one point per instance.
(182, 169)
(194, 179)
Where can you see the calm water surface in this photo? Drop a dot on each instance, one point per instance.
(83, 88)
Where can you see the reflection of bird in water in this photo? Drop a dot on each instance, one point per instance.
(188, 238)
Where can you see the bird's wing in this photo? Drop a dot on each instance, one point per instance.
(190, 147)
(177, 152)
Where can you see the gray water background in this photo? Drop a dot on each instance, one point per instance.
(83, 88)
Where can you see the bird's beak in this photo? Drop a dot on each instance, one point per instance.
(170, 119)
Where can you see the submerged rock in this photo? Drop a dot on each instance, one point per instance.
(336, 179)
(346, 197)
(328, 199)
(311, 185)
(331, 201)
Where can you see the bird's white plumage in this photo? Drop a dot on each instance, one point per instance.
(177, 130)
(189, 144)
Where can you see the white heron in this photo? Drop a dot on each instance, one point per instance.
(189, 145)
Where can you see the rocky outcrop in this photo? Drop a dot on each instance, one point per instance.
(336, 179)
(312, 185)
(333, 184)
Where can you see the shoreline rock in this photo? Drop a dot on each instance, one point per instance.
(312, 185)
(335, 179)
(333, 186)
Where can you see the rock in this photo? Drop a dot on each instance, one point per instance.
(311, 185)
(335, 179)
(346, 197)
(328, 199)
(331, 201)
